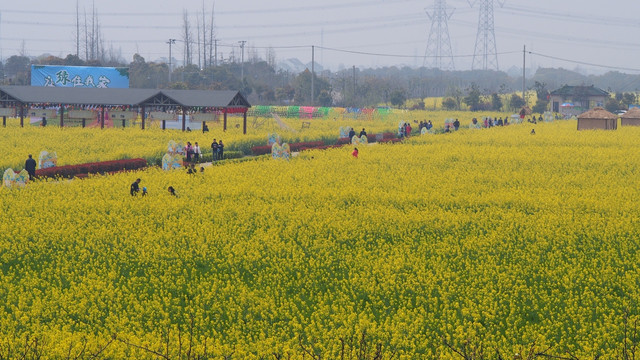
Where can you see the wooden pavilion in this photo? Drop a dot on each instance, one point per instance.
(21, 101)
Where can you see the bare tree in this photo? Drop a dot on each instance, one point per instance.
(252, 53)
(198, 41)
(77, 29)
(93, 41)
(187, 38)
(92, 38)
(212, 35)
(86, 37)
(271, 57)
(23, 48)
(204, 36)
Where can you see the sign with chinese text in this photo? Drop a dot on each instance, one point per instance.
(79, 76)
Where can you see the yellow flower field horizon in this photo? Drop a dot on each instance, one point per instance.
(494, 238)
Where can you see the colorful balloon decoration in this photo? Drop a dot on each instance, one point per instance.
(174, 156)
(47, 159)
(11, 179)
(273, 139)
(281, 151)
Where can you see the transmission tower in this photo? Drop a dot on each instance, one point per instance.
(485, 55)
(438, 53)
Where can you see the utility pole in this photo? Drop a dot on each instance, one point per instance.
(242, 42)
(524, 56)
(170, 42)
(313, 73)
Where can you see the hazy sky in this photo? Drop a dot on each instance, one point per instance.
(587, 31)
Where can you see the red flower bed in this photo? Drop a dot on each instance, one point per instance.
(261, 150)
(92, 168)
(309, 144)
(324, 147)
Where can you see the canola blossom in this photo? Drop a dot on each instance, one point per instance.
(75, 145)
(493, 237)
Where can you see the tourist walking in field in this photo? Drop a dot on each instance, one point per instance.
(172, 191)
(189, 151)
(214, 150)
(135, 187)
(30, 166)
(355, 153)
(352, 133)
(220, 150)
(196, 152)
(456, 124)
(408, 129)
(363, 133)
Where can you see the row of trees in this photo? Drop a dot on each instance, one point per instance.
(263, 83)
(476, 100)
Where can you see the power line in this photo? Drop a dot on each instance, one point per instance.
(583, 62)
(232, 12)
(377, 19)
(573, 17)
(403, 56)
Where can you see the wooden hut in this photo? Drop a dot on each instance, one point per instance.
(597, 118)
(631, 117)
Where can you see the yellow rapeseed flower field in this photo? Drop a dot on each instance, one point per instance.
(75, 145)
(493, 240)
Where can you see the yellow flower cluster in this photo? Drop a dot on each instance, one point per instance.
(495, 237)
(78, 145)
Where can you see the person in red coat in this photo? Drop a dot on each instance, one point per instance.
(355, 153)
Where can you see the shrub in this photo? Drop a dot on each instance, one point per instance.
(68, 171)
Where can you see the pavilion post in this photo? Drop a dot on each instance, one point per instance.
(4, 121)
(143, 116)
(224, 124)
(21, 115)
(184, 118)
(62, 116)
(244, 122)
(102, 118)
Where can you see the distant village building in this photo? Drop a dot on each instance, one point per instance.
(597, 118)
(574, 100)
(631, 117)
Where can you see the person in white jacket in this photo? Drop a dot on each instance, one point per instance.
(196, 152)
